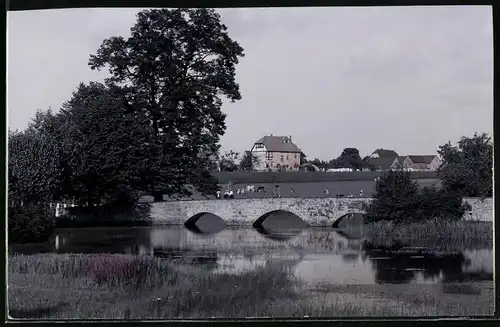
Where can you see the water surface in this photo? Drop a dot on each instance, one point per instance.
(313, 254)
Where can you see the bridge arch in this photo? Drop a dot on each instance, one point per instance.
(264, 216)
(350, 219)
(211, 223)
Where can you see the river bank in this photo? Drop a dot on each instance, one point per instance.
(56, 286)
(436, 234)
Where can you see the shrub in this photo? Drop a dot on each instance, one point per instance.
(30, 223)
(398, 199)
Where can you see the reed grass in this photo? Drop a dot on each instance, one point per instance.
(121, 286)
(437, 234)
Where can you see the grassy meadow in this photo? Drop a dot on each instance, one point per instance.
(58, 286)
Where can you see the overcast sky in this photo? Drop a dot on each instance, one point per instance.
(402, 78)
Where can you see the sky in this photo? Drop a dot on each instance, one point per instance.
(402, 78)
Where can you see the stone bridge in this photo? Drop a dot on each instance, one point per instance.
(314, 211)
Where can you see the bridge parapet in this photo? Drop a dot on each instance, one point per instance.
(314, 211)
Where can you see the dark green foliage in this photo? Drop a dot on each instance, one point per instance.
(227, 162)
(36, 161)
(30, 223)
(153, 127)
(367, 164)
(249, 161)
(106, 146)
(397, 198)
(176, 65)
(467, 169)
(349, 158)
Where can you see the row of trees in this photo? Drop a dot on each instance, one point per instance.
(466, 171)
(153, 125)
(232, 161)
(349, 158)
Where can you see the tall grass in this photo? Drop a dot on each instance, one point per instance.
(130, 287)
(121, 286)
(432, 233)
(111, 270)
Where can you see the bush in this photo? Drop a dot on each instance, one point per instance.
(106, 215)
(398, 199)
(30, 223)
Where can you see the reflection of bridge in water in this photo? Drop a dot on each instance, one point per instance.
(314, 254)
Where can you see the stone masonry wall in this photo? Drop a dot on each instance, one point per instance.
(315, 211)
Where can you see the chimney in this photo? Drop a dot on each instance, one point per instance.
(271, 134)
(290, 138)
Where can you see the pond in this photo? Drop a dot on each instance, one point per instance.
(315, 255)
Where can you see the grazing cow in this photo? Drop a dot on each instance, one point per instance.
(261, 189)
(229, 195)
(339, 195)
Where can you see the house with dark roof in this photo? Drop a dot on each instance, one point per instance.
(421, 162)
(398, 163)
(384, 163)
(276, 153)
(383, 153)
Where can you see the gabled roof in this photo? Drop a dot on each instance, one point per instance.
(277, 144)
(383, 153)
(401, 158)
(382, 162)
(427, 159)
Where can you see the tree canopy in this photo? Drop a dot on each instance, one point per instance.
(349, 158)
(174, 69)
(399, 199)
(467, 168)
(36, 161)
(249, 161)
(153, 126)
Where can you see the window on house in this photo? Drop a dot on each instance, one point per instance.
(286, 157)
(269, 155)
(282, 158)
(295, 156)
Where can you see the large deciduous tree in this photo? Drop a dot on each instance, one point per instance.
(349, 158)
(175, 67)
(467, 169)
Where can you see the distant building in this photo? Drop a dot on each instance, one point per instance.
(384, 163)
(421, 163)
(276, 153)
(411, 163)
(383, 153)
